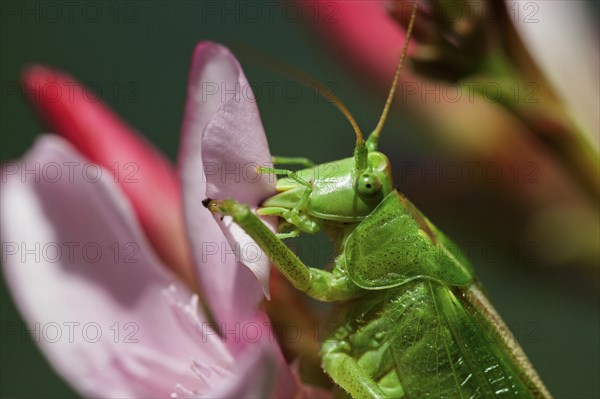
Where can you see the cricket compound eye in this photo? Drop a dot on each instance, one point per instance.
(368, 184)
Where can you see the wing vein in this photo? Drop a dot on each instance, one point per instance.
(439, 317)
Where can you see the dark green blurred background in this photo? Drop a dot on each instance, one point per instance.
(136, 55)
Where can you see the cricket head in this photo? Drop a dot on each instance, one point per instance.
(343, 191)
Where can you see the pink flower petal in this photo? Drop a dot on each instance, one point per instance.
(78, 265)
(231, 290)
(142, 173)
(258, 367)
(248, 251)
(261, 371)
(235, 145)
(255, 376)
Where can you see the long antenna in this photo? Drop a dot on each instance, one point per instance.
(374, 137)
(360, 150)
(290, 71)
(328, 94)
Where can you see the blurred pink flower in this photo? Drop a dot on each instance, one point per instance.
(548, 46)
(107, 227)
(562, 38)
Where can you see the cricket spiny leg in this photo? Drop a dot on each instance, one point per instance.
(291, 234)
(285, 172)
(293, 161)
(319, 284)
(347, 373)
(300, 221)
(294, 216)
(292, 175)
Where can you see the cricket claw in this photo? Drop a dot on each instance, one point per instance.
(213, 205)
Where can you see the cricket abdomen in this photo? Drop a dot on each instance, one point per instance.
(422, 340)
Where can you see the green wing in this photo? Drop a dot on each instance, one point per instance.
(444, 347)
(396, 244)
(439, 344)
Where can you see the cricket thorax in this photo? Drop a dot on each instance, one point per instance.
(390, 248)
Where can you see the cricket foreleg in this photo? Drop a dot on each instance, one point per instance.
(293, 216)
(293, 161)
(319, 284)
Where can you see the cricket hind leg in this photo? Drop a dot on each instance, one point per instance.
(347, 373)
(357, 352)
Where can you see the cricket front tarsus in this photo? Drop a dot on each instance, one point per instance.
(206, 202)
